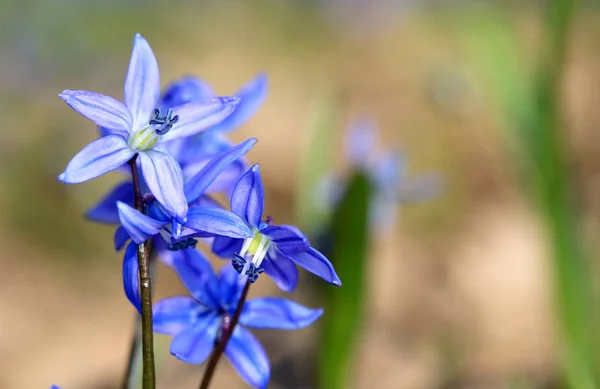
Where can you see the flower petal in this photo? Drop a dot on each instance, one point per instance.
(131, 278)
(287, 239)
(197, 275)
(165, 180)
(185, 90)
(174, 315)
(281, 269)
(142, 85)
(195, 344)
(226, 181)
(139, 226)
(217, 221)
(121, 237)
(248, 197)
(225, 247)
(277, 313)
(253, 94)
(230, 287)
(99, 157)
(196, 185)
(199, 116)
(360, 142)
(316, 263)
(102, 110)
(106, 210)
(248, 357)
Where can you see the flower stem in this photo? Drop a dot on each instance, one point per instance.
(220, 347)
(149, 375)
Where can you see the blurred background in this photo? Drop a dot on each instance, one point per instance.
(489, 283)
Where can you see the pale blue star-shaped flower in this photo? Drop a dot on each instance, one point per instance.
(140, 127)
(197, 322)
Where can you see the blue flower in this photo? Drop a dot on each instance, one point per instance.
(193, 152)
(274, 249)
(387, 172)
(203, 219)
(197, 322)
(140, 127)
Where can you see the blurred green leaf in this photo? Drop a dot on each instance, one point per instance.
(341, 323)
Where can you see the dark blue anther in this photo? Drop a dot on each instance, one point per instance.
(165, 123)
(182, 244)
(238, 263)
(253, 273)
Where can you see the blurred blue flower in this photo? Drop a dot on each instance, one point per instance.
(139, 127)
(273, 249)
(198, 321)
(387, 172)
(203, 219)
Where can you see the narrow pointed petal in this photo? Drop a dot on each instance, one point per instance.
(106, 210)
(139, 226)
(225, 182)
(277, 313)
(282, 270)
(121, 238)
(186, 90)
(253, 94)
(196, 185)
(230, 287)
(248, 197)
(131, 278)
(200, 116)
(102, 110)
(101, 156)
(174, 315)
(195, 344)
(249, 358)
(142, 85)
(287, 239)
(197, 275)
(225, 247)
(165, 180)
(217, 221)
(316, 263)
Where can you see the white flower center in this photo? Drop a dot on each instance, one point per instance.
(257, 247)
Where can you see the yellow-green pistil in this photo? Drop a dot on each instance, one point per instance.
(257, 248)
(146, 137)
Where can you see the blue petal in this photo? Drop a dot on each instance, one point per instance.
(316, 263)
(225, 247)
(277, 313)
(142, 85)
(196, 185)
(121, 237)
(230, 287)
(185, 90)
(287, 239)
(248, 358)
(248, 197)
(102, 110)
(157, 212)
(282, 270)
(106, 210)
(165, 181)
(217, 221)
(139, 226)
(131, 278)
(225, 182)
(200, 116)
(253, 94)
(174, 315)
(197, 275)
(199, 147)
(360, 142)
(195, 344)
(99, 157)
(205, 201)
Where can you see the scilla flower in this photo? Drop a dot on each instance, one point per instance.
(197, 322)
(273, 249)
(140, 127)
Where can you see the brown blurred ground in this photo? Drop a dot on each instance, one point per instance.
(459, 294)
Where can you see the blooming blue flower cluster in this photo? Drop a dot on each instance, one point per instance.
(179, 156)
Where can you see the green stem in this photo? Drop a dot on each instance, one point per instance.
(149, 375)
(220, 347)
